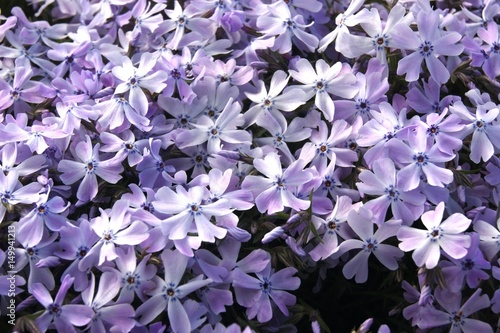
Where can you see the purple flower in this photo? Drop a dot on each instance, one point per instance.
(189, 212)
(88, 166)
(469, 268)
(275, 192)
(133, 79)
(223, 129)
(457, 315)
(369, 243)
(405, 205)
(170, 292)
(333, 226)
(324, 81)
(482, 125)
(489, 236)
(279, 21)
(12, 192)
(115, 228)
(256, 293)
(107, 314)
(446, 235)
(419, 159)
(64, 317)
(272, 103)
(428, 45)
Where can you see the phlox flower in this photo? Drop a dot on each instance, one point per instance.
(190, 213)
(13, 192)
(456, 315)
(64, 316)
(446, 235)
(134, 278)
(324, 146)
(469, 268)
(223, 129)
(108, 315)
(427, 45)
(482, 125)
(486, 56)
(20, 161)
(39, 258)
(22, 91)
(369, 243)
(323, 81)
(426, 98)
(349, 18)
(180, 20)
(332, 185)
(75, 243)
(379, 37)
(257, 293)
(134, 79)
(386, 124)
(88, 166)
(489, 236)
(333, 226)
(373, 86)
(126, 148)
(170, 292)
(272, 102)
(153, 170)
(275, 192)
(406, 206)
(279, 21)
(45, 214)
(114, 228)
(419, 159)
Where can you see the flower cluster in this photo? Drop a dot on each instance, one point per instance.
(207, 166)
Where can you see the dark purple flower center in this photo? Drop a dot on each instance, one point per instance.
(332, 225)
(170, 292)
(467, 265)
(380, 41)
(41, 209)
(175, 74)
(30, 251)
(55, 309)
(130, 280)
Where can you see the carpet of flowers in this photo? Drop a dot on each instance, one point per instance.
(250, 166)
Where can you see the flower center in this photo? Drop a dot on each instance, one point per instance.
(467, 265)
(54, 309)
(130, 280)
(129, 146)
(426, 49)
(332, 225)
(170, 292)
(175, 74)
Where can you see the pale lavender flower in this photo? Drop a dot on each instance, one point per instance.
(489, 236)
(88, 166)
(369, 243)
(135, 278)
(482, 125)
(170, 292)
(324, 146)
(12, 192)
(323, 81)
(387, 124)
(333, 226)
(153, 170)
(279, 21)
(273, 102)
(107, 315)
(379, 37)
(406, 206)
(446, 235)
(456, 315)
(64, 317)
(349, 18)
(419, 159)
(215, 133)
(257, 293)
(134, 79)
(115, 228)
(427, 45)
(126, 148)
(74, 245)
(190, 213)
(427, 99)
(45, 214)
(469, 268)
(275, 192)
(20, 160)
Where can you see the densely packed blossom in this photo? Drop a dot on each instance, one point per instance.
(249, 166)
